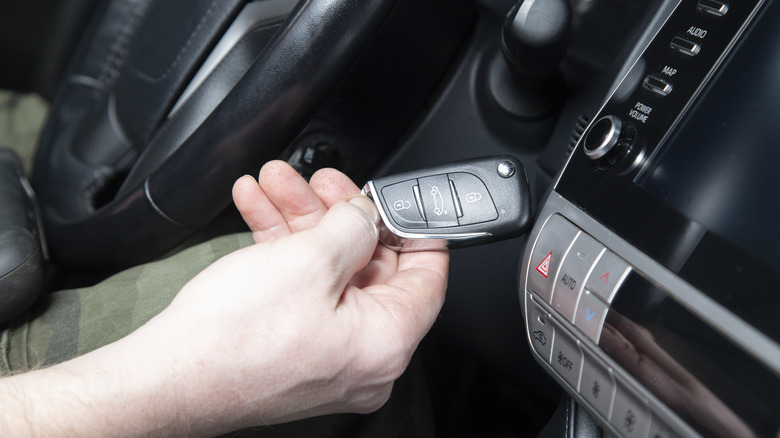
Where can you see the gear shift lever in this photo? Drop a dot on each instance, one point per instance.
(534, 41)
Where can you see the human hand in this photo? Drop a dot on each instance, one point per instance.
(315, 318)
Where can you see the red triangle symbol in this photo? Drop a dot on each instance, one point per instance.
(544, 267)
(605, 277)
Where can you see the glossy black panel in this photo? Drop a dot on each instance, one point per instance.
(720, 166)
(713, 385)
(704, 207)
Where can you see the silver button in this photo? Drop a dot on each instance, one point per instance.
(597, 386)
(630, 416)
(659, 429)
(506, 169)
(590, 315)
(540, 328)
(554, 239)
(571, 277)
(566, 357)
(602, 136)
(684, 46)
(712, 7)
(657, 85)
(607, 276)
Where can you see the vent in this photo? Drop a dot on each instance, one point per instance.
(576, 135)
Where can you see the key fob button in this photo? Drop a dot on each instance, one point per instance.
(402, 205)
(437, 202)
(474, 199)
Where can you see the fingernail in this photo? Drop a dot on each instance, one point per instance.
(366, 205)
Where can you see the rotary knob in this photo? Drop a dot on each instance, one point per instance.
(602, 137)
(609, 142)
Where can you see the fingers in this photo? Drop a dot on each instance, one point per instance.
(259, 213)
(297, 202)
(344, 241)
(279, 203)
(332, 186)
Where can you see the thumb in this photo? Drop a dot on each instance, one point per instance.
(347, 236)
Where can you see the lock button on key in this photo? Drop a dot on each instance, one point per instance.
(402, 205)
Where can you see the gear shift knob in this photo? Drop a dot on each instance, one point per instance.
(526, 83)
(534, 36)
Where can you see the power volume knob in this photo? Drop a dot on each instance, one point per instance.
(602, 137)
(609, 143)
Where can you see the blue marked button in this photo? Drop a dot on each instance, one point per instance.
(590, 315)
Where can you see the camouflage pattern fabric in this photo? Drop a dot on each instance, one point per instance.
(69, 323)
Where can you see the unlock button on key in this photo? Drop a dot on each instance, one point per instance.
(475, 202)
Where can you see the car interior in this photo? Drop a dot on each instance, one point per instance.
(633, 292)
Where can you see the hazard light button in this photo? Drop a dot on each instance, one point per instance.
(551, 245)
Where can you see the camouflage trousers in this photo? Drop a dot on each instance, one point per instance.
(68, 323)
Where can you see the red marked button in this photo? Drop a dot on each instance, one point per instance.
(553, 242)
(544, 267)
(607, 275)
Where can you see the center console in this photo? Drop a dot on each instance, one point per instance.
(649, 282)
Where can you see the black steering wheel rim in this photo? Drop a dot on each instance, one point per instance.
(162, 203)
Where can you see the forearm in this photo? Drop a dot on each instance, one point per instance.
(106, 392)
(158, 381)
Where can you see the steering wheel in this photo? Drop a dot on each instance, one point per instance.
(124, 173)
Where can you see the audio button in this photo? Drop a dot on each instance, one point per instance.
(684, 46)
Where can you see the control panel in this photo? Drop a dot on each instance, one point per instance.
(664, 80)
(614, 309)
(571, 280)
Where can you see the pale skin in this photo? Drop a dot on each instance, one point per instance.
(313, 319)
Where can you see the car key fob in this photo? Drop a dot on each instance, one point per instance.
(464, 203)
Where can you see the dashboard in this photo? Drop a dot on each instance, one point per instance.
(646, 288)
(648, 280)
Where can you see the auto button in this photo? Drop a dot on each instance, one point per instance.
(571, 277)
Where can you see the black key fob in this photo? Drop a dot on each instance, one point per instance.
(458, 204)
